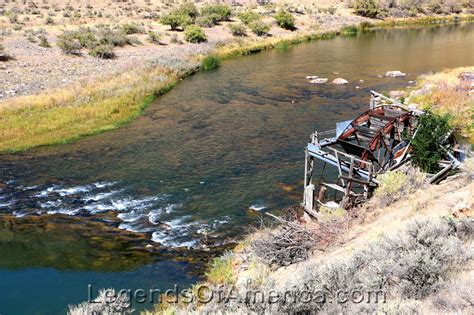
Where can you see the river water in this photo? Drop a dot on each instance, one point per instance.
(187, 171)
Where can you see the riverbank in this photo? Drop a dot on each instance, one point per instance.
(96, 105)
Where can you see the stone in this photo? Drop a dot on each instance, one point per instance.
(395, 74)
(340, 81)
(319, 81)
(467, 76)
(312, 77)
(396, 94)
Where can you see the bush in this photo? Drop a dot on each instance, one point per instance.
(194, 34)
(259, 28)
(285, 20)
(131, 28)
(154, 37)
(248, 17)
(69, 44)
(175, 20)
(207, 21)
(431, 141)
(367, 8)
(221, 12)
(349, 30)
(44, 42)
(4, 56)
(238, 29)
(210, 62)
(108, 36)
(103, 52)
(221, 271)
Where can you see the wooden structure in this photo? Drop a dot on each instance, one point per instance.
(360, 149)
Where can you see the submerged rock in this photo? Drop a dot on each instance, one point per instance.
(312, 77)
(340, 81)
(395, 74)
(319, 81)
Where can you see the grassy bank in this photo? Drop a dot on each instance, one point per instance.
(63, 116)
(445, 93)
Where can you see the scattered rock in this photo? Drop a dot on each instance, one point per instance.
(467, 76)
(319, 81)
(340, 81)
(396, 94)
(411, 82)
(395, 74)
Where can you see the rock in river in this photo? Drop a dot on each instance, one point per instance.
(340, 81)
(395, 74)
(319, 81)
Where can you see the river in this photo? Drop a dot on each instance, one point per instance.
(131, 208)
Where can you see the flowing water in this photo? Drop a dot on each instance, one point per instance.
(190, 168)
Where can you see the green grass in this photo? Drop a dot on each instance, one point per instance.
(221, 271)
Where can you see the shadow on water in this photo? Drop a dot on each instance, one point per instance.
(192, 165)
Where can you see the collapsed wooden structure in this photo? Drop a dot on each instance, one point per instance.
(375, 142)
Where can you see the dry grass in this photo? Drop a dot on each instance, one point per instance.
(88, 108)
(445, 93)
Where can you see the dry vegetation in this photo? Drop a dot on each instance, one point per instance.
(448, 92)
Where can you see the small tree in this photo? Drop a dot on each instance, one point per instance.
(194, 34)
(188, 9)
(221, 12)
(259, 28)
(285, 20)
(431, 142)
(175, 20)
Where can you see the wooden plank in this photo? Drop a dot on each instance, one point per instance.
(334, 186)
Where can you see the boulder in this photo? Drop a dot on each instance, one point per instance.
(340, 81)
(395, 74)
(312, 77)
(396, 94)
(319, 81)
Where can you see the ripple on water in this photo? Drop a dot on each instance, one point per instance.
(152, 215)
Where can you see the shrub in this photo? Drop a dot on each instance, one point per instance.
(69, 44)
(238, 29)
(221, 271)
(210, 62)
(103, 52)
(221, 12)
(108, 36)
(431, 141)
(49, 20)
(367, 8)
(207, 21)
(349, 30)
(4, 56)
(259, 28)
(249, 16)
(194, 34)
(175, 20)
(285, 20)
(154, 37)
(131, 28)
(44, 42)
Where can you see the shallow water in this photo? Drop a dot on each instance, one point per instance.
(220, 143)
